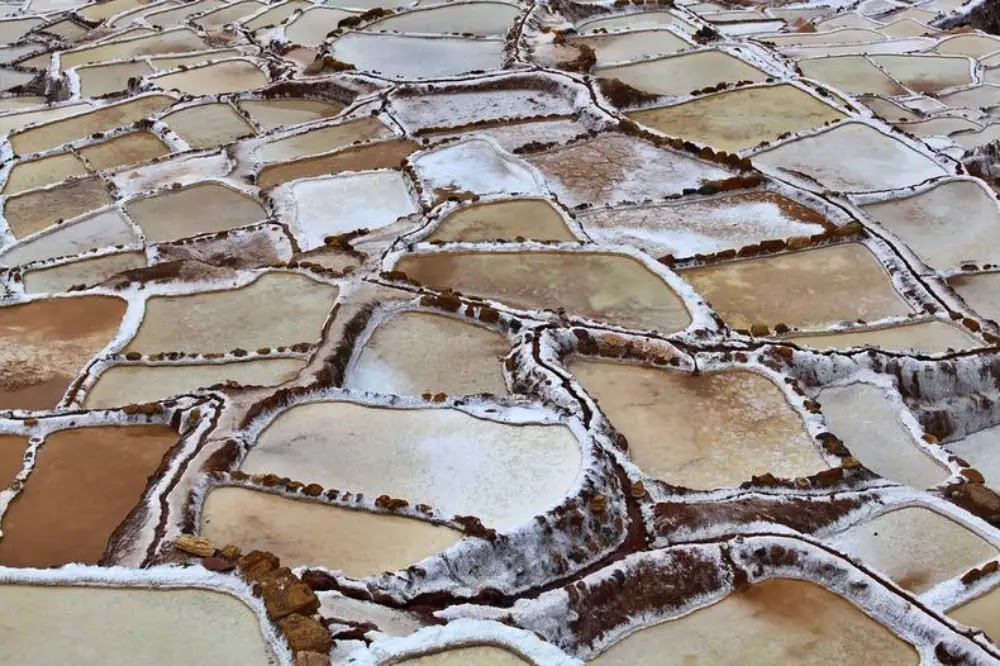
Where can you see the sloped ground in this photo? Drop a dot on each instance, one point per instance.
(488, 332)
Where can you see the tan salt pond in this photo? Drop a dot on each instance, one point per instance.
(972, 98)
(926, 73)
(773, 622)
(178, 40)
(175, 16)
(528, 218)
(807, 289)
(929, 337)
(969, 44)
(208, 125)
(983, 612)
(942, 126)
(613, 288)
(16, 121)
(164, 63)
(278, 112)
(980, 292)
(653, 19)
(414, 353)
(45, 344)
(229, 14)
(862, 417)
(85, 482)
(740, 119)
(98, 80)
(43, 624)
(980, 449)
(128, 384)
(413, 57)
(481, 19)
(46, 171)
(681, 74)
(703, 225)
(838, 36)
(458, 464)
(854, 157)
(125, 149)
(208, 207)
(947, 225)
(481, 655)
(367, 157)
(102, 230)
(276, 14)
(220, 77)
(624, 47)
(11, 30)
(744, 426)
(906, 28)
(58, 132)
(304, 533)
(851, 74)
(916, 547)
(312, 26)
(278, 309)
(12, 449)
(322, 140)
(87, 272)
(33, 211)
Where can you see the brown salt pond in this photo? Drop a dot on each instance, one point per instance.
(168, 41)
(122, 150)
(282, 111)
(862, 417)
(208, 125)
(208, 207)
(980, 449)
(536, 219)
(931, 337)
(481, 655)
(12, 448)
(983, 612)
(980, 292)
(852, 74)
(33, 211)
(806, 289)
(725, 427)
(322, 140)
(128, 384)
(773, 622)
(43, 624)
(46, 171)
(87, 272)
(740, 119)
(277, 309)
(45, 344)
(679, 75)
(612, 288)
(84, 484)
(635, 45)
(504, 474)
(217, 78)
(97, 80)
(369, 157)
(955, 222)
(414, 353)
(916, 547)
(926, 73)
(304, 533)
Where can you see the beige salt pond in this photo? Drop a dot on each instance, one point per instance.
(852, 74)
(535, 219)
(45, 344)
(612, 288)
(725, 427)
(414, 353)
(304, 533)
(322, 140)
(208, 207)
(772, 622)
(30, 174)
(929, 337)
(806, 289)
(983, 612)
(179, 40)
(97, 80)
(128, 384)
(33, 211)
(926, 73)
(86, 272)
(980, 449)
(981, 293)
(648, 19)
(952, 223)
(862, 417)
(312, 26)
(225, 76)
(851, 157)
(481, 19)
(915, 547)
(481, 655)
(414, 57)
(640, 44)
(458, 464)
(231, 13)
(740, 119)
(276, 14)
(208, 125)
(378, 155)
(279, 112)
(679, 75)
(705, 225)
(277, 309)
(43, 624)
(123, 150)
(102, 230)
(84, 484)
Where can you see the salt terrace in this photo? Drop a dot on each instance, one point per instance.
(499, 332)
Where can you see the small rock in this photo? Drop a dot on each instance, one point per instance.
(231, 552)
(258, 563)
(220, 564)
(285, 594)
(195, 545)
(305, 634)
(311, 659)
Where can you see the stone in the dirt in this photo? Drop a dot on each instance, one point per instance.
(194, 545)
(257, 563)
(311, 659)
(305, 634)
(285, 594)
(218, 564)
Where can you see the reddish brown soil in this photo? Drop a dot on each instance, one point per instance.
(12, 450)
(85, 482)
